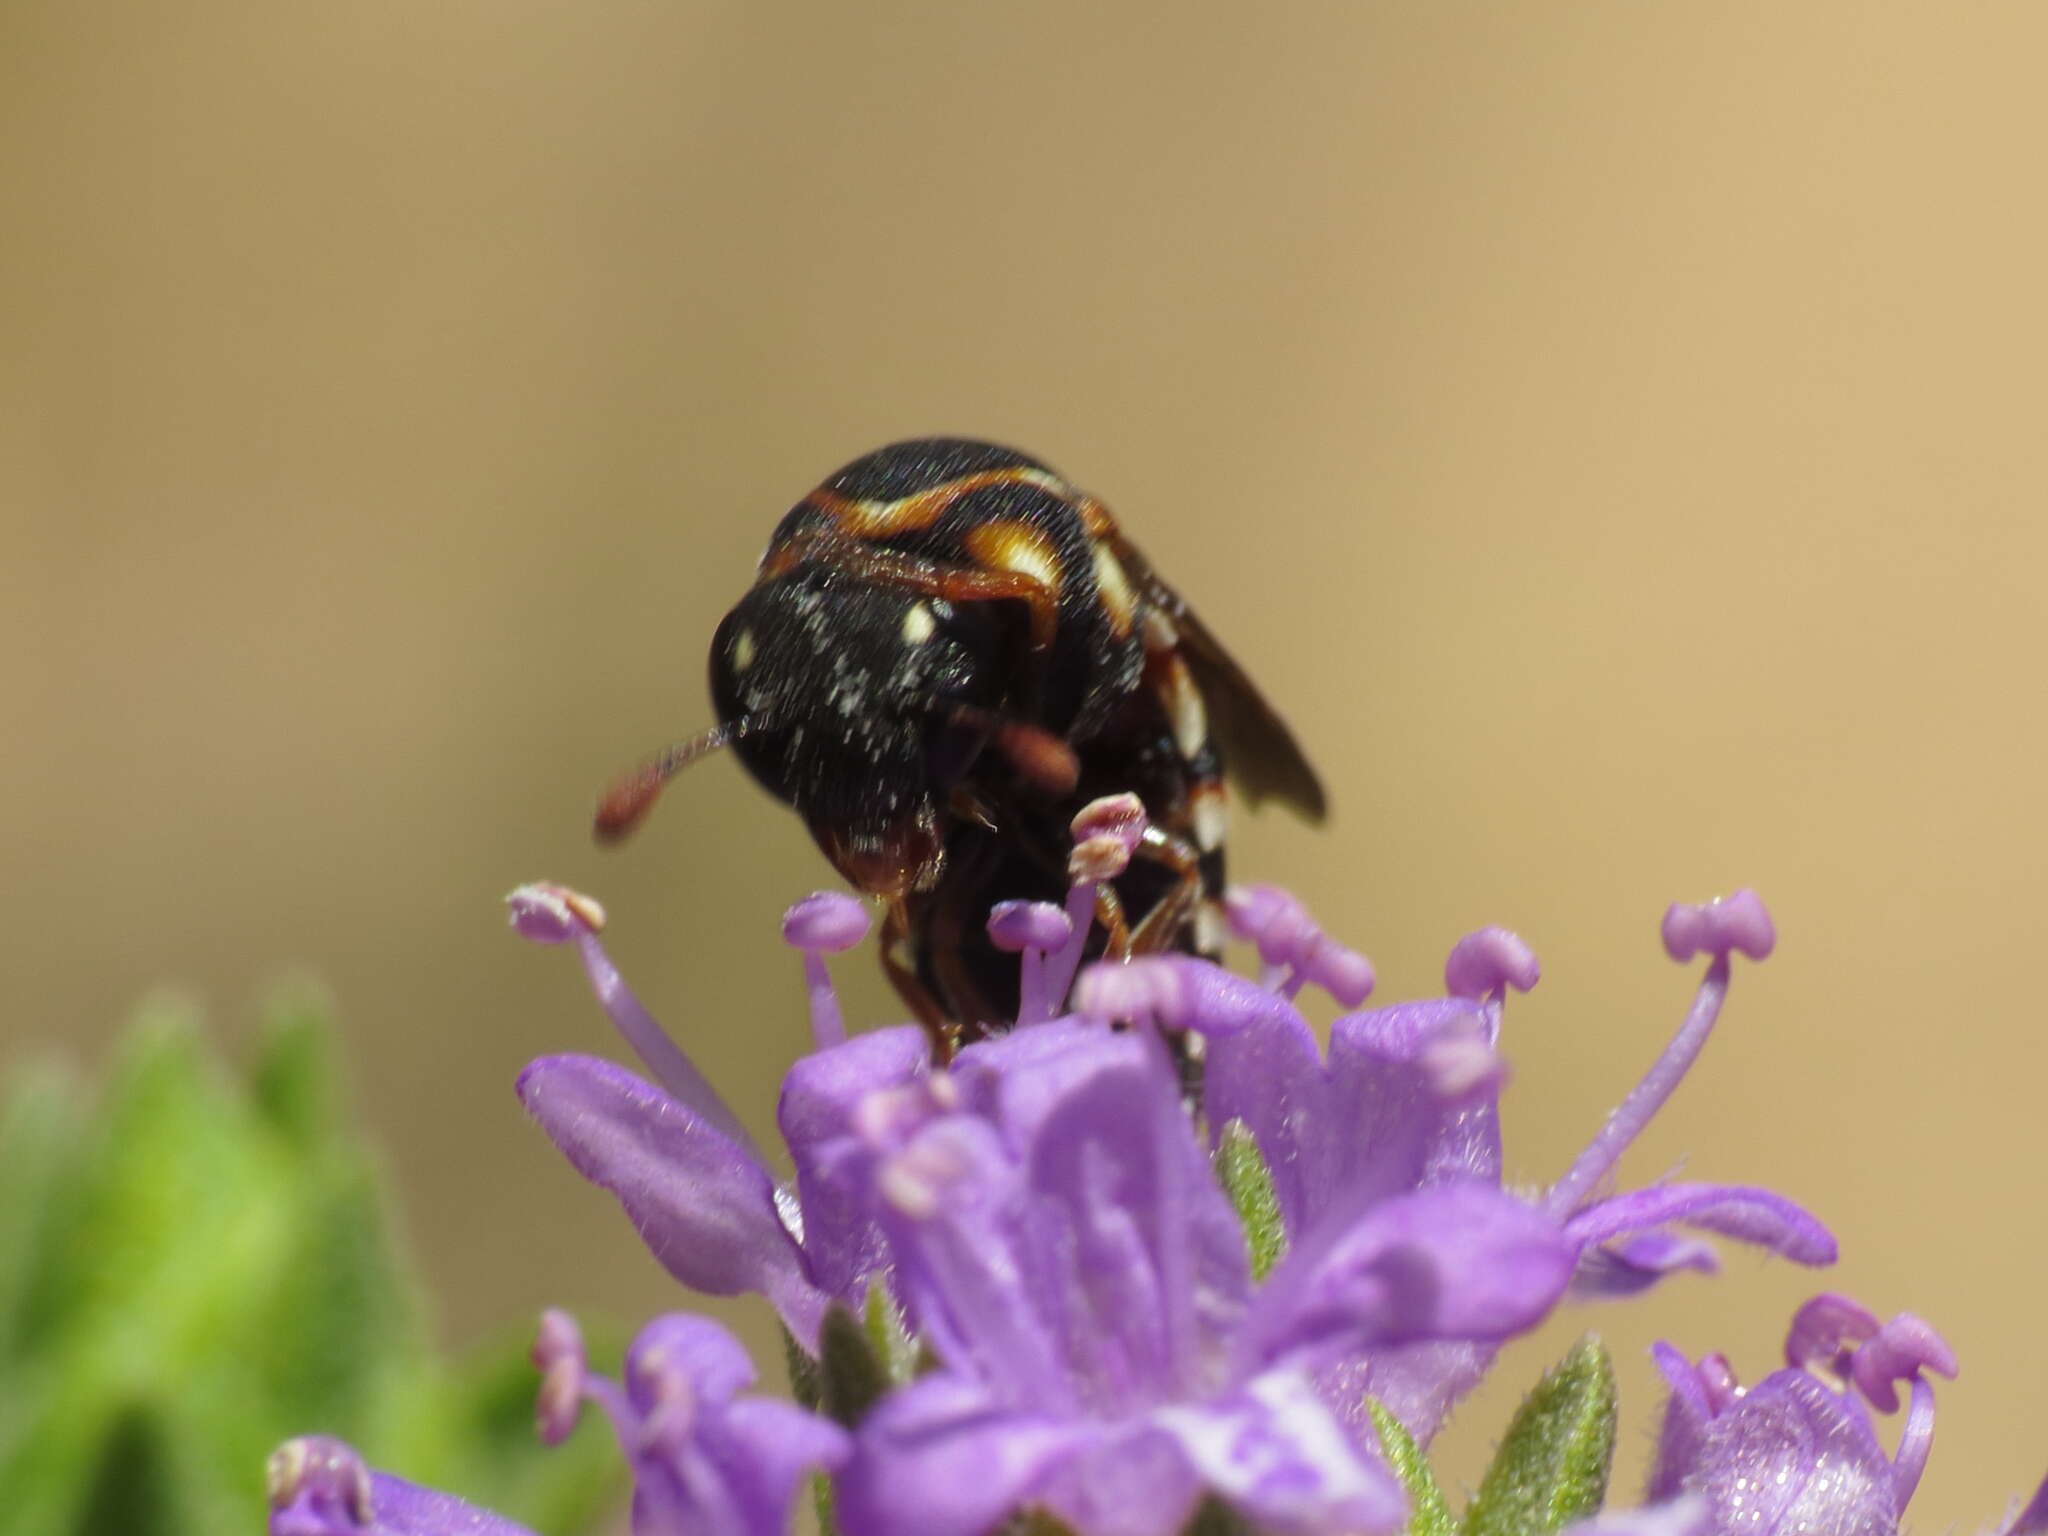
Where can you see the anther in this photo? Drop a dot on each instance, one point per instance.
(548, 913)
(1106, 833)
(323, 1473)
(558, 1355)
(1738, 922)
(1034, 928)
(1487, 963)
(825, 922)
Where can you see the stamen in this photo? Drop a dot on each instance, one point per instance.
(558, 1355)
(1106, 833)
(323, 1474)
(1899, 1351)
(1739, 922)
(1032, 929)
(824, 923)
(1293, 950)
(1736, 922)
(1826, 1330)
(1916, 1441)
(668, 1422)
(554, 914)
(1485, 964)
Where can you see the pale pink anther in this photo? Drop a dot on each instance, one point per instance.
(548, 913)
(1739, 922)
(824, 923)
(559, 1356)
(1106, 833)
(1488, 962)
(324, 1472)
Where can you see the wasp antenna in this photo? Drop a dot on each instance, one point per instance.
(626, 804)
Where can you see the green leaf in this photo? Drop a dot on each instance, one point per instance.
(1552, 1467)
(804, 1383)
(38, 1163)
(1249, 1183)
(888, 1336)
(851, 1374)
(1428, 1514)
(296, 1082)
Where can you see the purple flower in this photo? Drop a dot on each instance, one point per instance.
(1793, 1454)
(697, 1188)
(705, 1461)
(1063, 1246)
(320, 1487)
(1408, 1099)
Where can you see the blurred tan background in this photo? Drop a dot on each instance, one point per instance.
(1611, 432)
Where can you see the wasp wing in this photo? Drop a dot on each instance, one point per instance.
(1259, 751)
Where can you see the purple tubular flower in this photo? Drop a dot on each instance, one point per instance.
(696, 1187)
(320, 1487)
(1063, 1246)
(1793, 1454)
(1407, 1099)
(705, 1462)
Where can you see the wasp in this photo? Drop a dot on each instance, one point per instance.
(948, 650)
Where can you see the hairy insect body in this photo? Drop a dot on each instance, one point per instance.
(946, 652)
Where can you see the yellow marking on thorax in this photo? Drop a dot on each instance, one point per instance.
(1118, 599)
(1019, 547)
(907, 514)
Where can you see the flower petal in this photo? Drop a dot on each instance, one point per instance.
(1156, 1273)
(1463, 1262)
(1275, 1453)
(1682, 1432)
(842, 1244)
(1740, 1211)
(1791, 1457)
(1397, 1128)
(766, 1448)
(320, 1487)
(1269, 1075)
(1632, 1264)
(704, 1208)
(1688, 1516)
(942, 1458)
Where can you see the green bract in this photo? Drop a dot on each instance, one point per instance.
(194, 1267)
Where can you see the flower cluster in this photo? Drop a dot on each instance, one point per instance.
(1154, 1260)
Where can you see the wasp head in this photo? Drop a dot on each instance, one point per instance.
(862, 705)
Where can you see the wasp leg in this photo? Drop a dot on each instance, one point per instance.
(1162, 927)
(1109, 911)
(901, 969)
